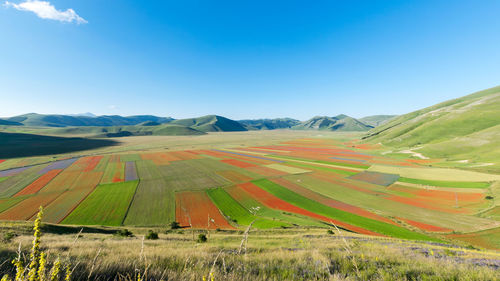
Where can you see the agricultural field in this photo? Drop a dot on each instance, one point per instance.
(288, 182)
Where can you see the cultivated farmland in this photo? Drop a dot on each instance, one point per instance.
(296, 183)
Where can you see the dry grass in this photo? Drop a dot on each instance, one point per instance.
(292, 254)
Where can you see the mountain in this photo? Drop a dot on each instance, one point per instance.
(86, 114)
(211, 123)
(376, 120)
(338, 123)
(125, 131)
(41, 120)
(9, 123)
(467, 128)
(269, 124)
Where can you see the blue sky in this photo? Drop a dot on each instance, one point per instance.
(244, 59)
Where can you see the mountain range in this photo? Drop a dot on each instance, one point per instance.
(116, 126)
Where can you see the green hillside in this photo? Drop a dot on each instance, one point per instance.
(376, 120)
(41, 120)
(337, 123)
(466, 129)
(211, 123)
(270, 124)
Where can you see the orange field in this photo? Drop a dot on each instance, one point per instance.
(273, 202)
(426, 227)
(39, 183)
(330, 202)
(27, 208)
(238, 163)
(195, 209)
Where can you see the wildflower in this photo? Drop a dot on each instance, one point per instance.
(6, 278)
(41, 267)
(54, 274)
(68, 273)
(35, 249)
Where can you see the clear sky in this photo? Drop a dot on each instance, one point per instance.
(244, 59)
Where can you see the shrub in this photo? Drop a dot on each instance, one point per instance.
(152, 235)
(489, 197)
(175, 225)
(329, 231)
(202, 238)
(7, 237)
(124, 233)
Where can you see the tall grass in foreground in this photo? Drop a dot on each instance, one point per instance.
(36, 269)
(291, 254)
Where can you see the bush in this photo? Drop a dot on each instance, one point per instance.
(152, 235)
(202, 238)
(329, 231)
(489, 197)
(175, 225)
(7, 237)
(124, 233)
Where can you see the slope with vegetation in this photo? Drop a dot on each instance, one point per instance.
(466, 130)
(337, 123)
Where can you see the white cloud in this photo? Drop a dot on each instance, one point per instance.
(112, 107)
(45, 10)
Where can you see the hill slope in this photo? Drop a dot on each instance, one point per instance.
(376, 120)
(337, 123)
(270, 124)
(211, 123)
(41, 120)
(467, 128)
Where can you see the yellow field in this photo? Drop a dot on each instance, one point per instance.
(440, 174)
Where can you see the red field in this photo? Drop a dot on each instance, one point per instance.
(26, 209)
(238, 163)
(273, 202)
(1, 161)
(330, 202)
(61, 182)
(421, 203)
(234, 176)
(194, 208)
(39, 183)
(426, 227)
(92, 163)
(157, 158)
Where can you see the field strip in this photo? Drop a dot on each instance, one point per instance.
(287, 169)
(439, 174)
(450, 189)
(313, 163)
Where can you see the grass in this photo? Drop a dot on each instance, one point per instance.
(389, 208)
(181, 175)
(302, 254)
(236, 213)
(455, 184)
(153, 204)
(9, 202)
(262, 211)
(107, 205)
(335, 163)
(16, 183)
(322, 168)
(439, 174)
(315, 207)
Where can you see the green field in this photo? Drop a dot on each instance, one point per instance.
(107, 205)
(315, 207)
(236, 213)
(153, 204)
(455, 184)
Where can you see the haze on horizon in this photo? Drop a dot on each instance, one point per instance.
(243, 60)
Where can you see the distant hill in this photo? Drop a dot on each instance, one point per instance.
(376, 120)
(270, 124)
(125, 131)
(41, 120)
(338, 123)
(9, 123)
(211, 123)
(466, 128)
